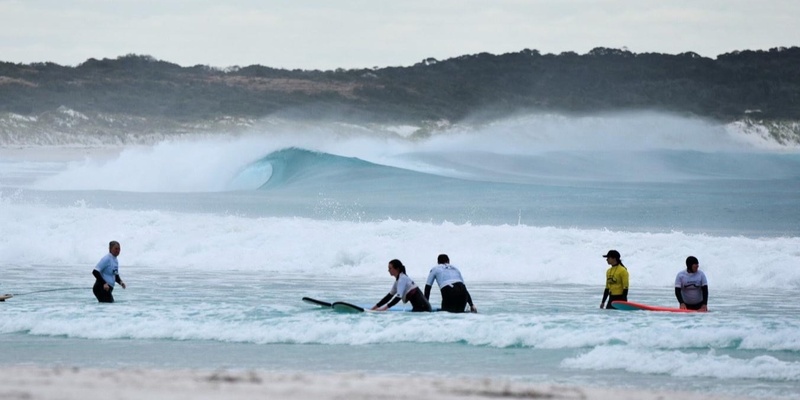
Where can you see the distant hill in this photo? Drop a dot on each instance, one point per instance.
(734, 86)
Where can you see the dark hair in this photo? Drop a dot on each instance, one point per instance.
(615, 255)
(112, 243)
(691, 260)
(398, 265)
(443, 259)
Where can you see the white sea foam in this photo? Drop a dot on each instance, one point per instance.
(280, 318)
(43, 234)
(685, 364)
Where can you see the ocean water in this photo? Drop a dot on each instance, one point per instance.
(222, 235)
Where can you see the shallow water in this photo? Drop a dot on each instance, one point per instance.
(221, 238)
(747, 344)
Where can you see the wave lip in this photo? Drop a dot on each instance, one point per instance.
(295, 167)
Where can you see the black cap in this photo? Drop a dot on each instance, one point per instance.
(612, 254)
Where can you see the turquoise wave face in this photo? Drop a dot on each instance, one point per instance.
(665, 190)
(299, 168)
(728, 193)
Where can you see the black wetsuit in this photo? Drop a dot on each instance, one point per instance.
(697, 306)
(455, 298)
(101, 294)
(414, 296)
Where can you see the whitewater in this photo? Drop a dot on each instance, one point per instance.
(223, 234)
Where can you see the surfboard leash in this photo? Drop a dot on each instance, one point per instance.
(49, 290)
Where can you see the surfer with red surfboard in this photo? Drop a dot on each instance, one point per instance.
(616, 280)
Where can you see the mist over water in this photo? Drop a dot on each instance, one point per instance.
(637, 148)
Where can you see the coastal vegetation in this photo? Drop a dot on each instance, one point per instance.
(742, 85)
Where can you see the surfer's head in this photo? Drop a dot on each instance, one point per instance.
(443, 259)
(691, 262)
(613, 255)
(114, 248)
(396, 268)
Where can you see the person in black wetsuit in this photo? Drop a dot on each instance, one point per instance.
(106, 274)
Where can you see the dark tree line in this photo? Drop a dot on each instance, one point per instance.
(604, 79)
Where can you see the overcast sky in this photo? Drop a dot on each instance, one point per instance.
(329, 34)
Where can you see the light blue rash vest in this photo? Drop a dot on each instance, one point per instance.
(108, 268)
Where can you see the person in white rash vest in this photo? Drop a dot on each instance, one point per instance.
(691, 286)
(455, 295)
(404, 289)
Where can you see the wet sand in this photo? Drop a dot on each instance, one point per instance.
(66, 383)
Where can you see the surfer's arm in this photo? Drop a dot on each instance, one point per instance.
(704, 306)
(427, 292)
(394, 301)
(469, 301)
(119, 280)
(99, 276)
(678, 295)
(383, 301)
(625, 284)
(605, 296)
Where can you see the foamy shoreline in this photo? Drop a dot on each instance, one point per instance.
(72, 383)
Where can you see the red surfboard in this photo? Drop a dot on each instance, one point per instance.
(631, 306)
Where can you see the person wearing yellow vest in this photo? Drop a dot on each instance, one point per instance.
(616, 280)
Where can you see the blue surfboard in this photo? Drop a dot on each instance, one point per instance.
(341, 306)
(346, 307)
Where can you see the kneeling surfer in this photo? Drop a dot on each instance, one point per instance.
(455, 295)
(403, 289)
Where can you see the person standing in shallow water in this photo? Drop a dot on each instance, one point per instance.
(616, 280)
(691, 287)
(106, 274)
(403, 289)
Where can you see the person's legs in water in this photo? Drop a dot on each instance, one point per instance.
(454, 298)
(418, 301)
(613, 298)
(101, 294)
